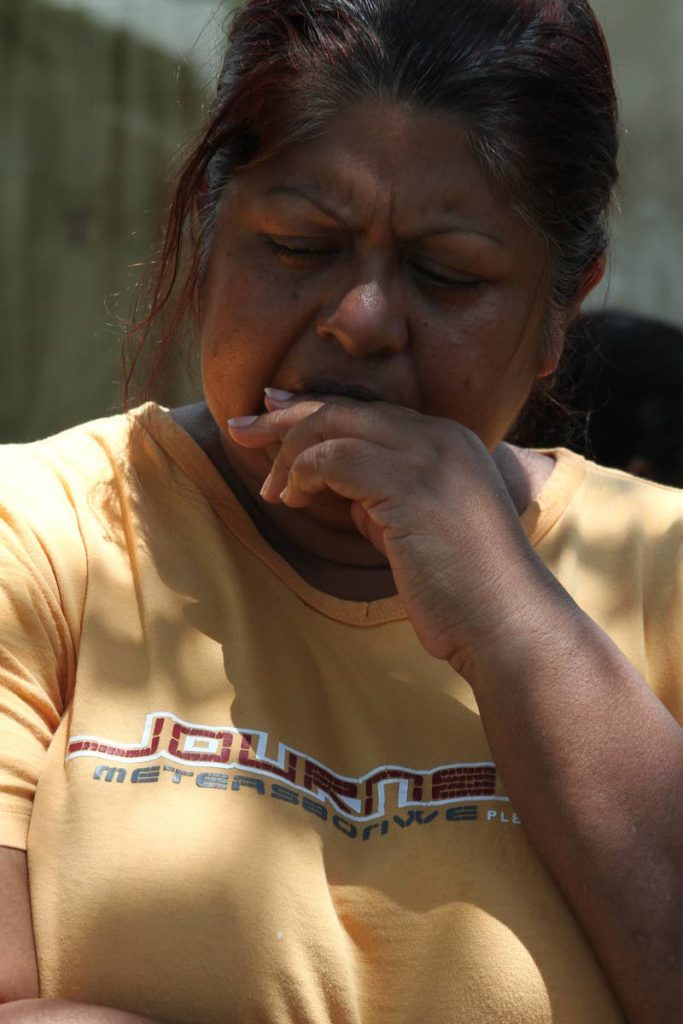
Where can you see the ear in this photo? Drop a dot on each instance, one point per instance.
(552, 352)
(591, 280)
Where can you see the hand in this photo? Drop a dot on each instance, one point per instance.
(423, 490)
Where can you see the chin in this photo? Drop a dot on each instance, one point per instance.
(329, 509)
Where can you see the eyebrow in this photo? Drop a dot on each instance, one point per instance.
(310, 197)
(455, 227)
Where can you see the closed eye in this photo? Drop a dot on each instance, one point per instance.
(443, 280)
(300, 249)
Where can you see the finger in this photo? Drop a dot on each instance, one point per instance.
(337, 416)
(353, 468)
(390, 408)
(270, 428)
(333, 420)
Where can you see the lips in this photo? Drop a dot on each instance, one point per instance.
(325, 386)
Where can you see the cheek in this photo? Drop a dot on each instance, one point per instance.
(252, 307)
(243, 339)
(479, 374)
(234, 300)
(237, 320)
(454, 354)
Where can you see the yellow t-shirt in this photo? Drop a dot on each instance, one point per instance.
(247, 800)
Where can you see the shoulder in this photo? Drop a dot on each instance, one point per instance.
(627, 498)
(72, 460)
(51, 489)
(77, 449)
(588, 487)
(609, 518)
(628, 532)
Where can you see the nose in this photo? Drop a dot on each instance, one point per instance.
(368, 316)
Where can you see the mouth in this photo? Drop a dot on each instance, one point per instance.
(323, 386)
(327, 386)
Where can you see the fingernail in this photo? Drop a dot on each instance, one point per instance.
(265, 484)
(242, 421)
(277, 395)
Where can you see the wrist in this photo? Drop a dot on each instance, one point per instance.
(529, 612)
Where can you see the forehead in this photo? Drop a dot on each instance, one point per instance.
(386, 162)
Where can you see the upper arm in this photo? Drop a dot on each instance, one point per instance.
(18, 965)
(37, 658)
(35, 667)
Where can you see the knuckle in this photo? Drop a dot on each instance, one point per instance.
(325, 416)
(313, 462)
(323, 453)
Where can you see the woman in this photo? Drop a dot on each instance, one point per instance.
(336, 707)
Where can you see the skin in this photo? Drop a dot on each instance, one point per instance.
(434, 297)
(452, 365)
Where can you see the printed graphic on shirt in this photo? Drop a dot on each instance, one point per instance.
(361, 798)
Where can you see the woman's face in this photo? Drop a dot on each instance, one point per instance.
(376, 256)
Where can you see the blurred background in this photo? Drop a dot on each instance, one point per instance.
(97, 97)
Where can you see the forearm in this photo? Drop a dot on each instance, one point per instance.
(593, 764)
(58, 1011)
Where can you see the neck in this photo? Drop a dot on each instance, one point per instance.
(306, 541)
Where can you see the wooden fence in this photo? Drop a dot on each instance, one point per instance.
(92, 117)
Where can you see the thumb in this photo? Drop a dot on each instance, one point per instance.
(367, 527)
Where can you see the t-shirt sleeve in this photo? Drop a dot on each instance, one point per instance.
(37, 646)
(663, 612)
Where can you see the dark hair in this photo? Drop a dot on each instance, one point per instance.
(628, 409)
(530, 80)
